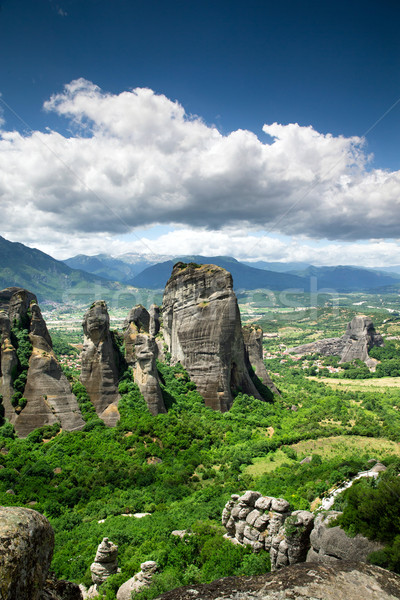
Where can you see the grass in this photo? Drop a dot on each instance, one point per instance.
(362, 385)
(346, 446)
(266, 464)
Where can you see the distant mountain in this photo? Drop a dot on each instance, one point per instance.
(48, 278)
(244, 277)
(121, 268)
(348, 279)
(279, 267)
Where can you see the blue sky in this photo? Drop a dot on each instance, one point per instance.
(92, 173)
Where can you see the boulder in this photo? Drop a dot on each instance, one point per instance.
(100, 361)
(253, 337)
(26, 548)
(202, 330)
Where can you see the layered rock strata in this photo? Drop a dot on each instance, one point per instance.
(141, 352)
(202, 330)
(139, 581)
(100, 361)
(253, 337)
(359, 338)
(105, 562)
(47, 391)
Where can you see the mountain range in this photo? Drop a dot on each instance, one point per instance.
(82, 278)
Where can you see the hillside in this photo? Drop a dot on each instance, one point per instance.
(122, 268)
(244, 277)
(48, 278)
(348, 279)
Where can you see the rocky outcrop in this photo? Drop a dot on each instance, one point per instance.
(100, 361)
(266, 523)
(141, 351)
(304, 581)
(105, 562)
(360, 337)
(331, 543)
(138, 581)
(202, 330)
(253, 337)
(46, 389)
(26, 548)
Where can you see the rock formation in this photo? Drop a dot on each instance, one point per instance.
(26, 549)
(304, 581)
(105, 562)
(360, 337)
(266, 523)
(253, 336)
(202, 330)
(138, 581)
(100, 361)
(141, 351)
(46, 389)
(331, 543)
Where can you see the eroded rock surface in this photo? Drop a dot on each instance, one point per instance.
(26, 548)
(303, 581)
(202, 329)
(141, 352)
(253, 337)
(105, 562)
(332, 543)
(360, 337)
(47, 391)
(99, 372)
(138, 581)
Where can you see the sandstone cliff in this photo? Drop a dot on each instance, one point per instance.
(360, 337)
(44, 392)
(202, 329)
(141, 351)
(100, 361)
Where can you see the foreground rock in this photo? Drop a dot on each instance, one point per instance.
(46, 389)
(100, 361)
(26, 549)
(202, 329)
(141, 352)
(139, 581)
(360, 337)
(305, 581)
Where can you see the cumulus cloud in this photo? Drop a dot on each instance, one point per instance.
(136, 158)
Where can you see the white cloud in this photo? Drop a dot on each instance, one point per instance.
(136, 159)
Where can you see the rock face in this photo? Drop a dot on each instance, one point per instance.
(265, 523)
(26, 548)
(304, 581)
(99, 372)
(138, 581)
(360, 337)
(253, 336)
(141, 351)
(331, 543)
(105, 562)
(202, 329)
(47, 390)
